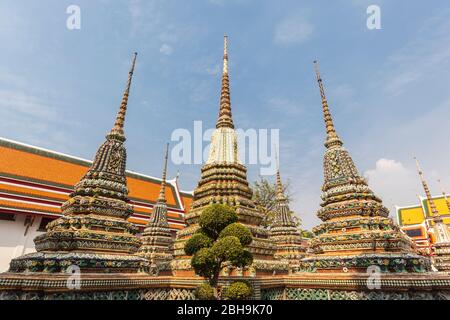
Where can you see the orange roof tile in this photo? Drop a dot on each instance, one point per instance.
(30, 177)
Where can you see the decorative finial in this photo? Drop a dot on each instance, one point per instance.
(162, 192)
(427, 190)
(444, 194)
(117, 130)
(332, 137)
(225, 120)
(419, 169)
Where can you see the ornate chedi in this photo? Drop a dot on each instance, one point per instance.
(93, 232)
(441, 260)
(224, 180)
(285, 233)
(356, 231)
(157, 241)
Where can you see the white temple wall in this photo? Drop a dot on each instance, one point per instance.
(13, 240)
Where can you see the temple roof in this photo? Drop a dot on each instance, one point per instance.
(416, 214)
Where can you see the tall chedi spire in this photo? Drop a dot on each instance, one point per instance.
(157, 241)
(356, 231)
(441, 232)
(224, 181)
(224, 148)
(332, 138)
(225, 119)
(93, 232)
(284, 231)
(447, 202)
(117, 129)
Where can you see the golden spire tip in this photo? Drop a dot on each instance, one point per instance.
(225, 54)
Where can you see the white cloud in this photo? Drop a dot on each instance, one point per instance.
(393, 182)
(166, 49)
(293, 30)
(387, 166)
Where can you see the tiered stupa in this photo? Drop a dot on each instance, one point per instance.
(157, 241)
(224, 180)
(356, 231)
(441, 260)
(284, 231)
(93, 233)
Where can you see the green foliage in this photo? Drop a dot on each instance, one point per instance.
(204, 263)
(265, 197)
(219, 239)
(245, 258)
(205, 292)
(237, 230)
(215, 218)
(239, 290)
(227, 249)
(307, 234)
(196, 242)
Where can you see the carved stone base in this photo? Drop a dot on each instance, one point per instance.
(87, 262)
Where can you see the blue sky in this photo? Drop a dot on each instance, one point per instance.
(388, 89)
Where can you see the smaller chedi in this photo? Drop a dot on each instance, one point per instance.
(157, 241)
(93, 233)
(441, 260)
(356, 231)
(284, 231)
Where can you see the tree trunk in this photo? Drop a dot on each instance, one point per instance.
(215, 280)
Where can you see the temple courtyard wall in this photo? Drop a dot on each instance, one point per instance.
(17, 233)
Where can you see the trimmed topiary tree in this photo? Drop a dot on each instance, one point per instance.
(220, 239)
(215, 218)
(197, 242)
(205, 292)
(237, 230)
(238, 290)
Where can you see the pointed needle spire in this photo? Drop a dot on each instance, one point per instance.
(162, 192)
(332, 137)
(225, 120)
(117, 129)
(280, 192)
(426, 189)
